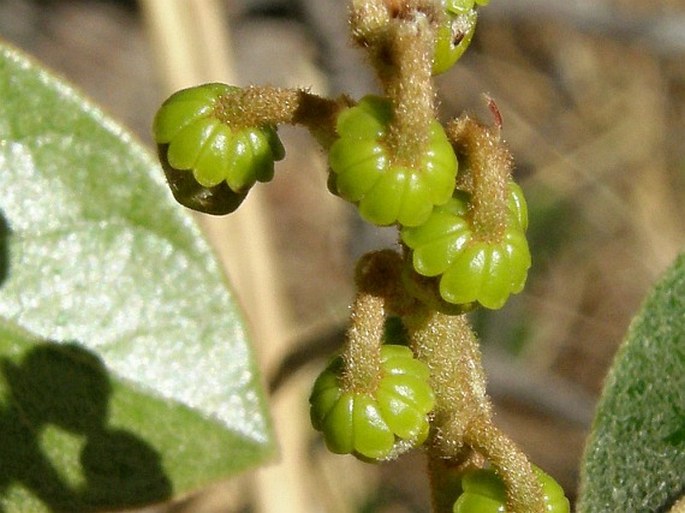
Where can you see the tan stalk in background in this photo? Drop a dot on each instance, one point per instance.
(192, 45)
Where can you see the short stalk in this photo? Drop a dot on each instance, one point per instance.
(362, 352)
(408, 84)
(488, 171)
(377, 278)
(524, 492)
(258, 106)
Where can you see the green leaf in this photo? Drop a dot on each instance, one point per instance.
(126, 374)
(635, 459)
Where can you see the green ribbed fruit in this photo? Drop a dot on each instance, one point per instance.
(363, 172)
(469, 269)
(483, 492)
(453, 38)
(209, 157)
(463, 6)
(372, 425)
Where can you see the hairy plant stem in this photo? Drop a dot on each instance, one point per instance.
(368, 19)
(448, 346)
(263, 105)
(462, 418)
(524, 492)
(487, 167)
(409, 86)
(377, 277)
(362, 352)
(399, 36)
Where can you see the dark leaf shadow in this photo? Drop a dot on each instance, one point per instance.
(68, 387)
(4, 248)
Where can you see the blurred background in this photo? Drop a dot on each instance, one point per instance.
(592, 95)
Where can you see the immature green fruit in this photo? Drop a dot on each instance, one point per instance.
(371, 425)
(364, 173)
(453, 38)
(463, 6)
(483, 492)
(472, 269)
(194, 138)
(218, 200)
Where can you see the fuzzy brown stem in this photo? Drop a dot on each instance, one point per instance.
(263, 105)
(362, 352)
(380, 273)
(408, 84)
(378, 281)
(368, 20)
(448, 346)
(377, 277)
(524, 492)
(488, 171)
(399, 36)
(462, 418)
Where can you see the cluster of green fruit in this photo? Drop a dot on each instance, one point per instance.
(433, 217)
(212, 162)
(212, 165)
(380, 424)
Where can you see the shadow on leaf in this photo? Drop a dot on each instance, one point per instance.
(4, 248)
(67, 387)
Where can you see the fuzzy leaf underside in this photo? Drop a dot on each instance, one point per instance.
(635, 458)
(109, 297)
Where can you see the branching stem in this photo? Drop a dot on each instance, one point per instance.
(462, 418)
(399, 36)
